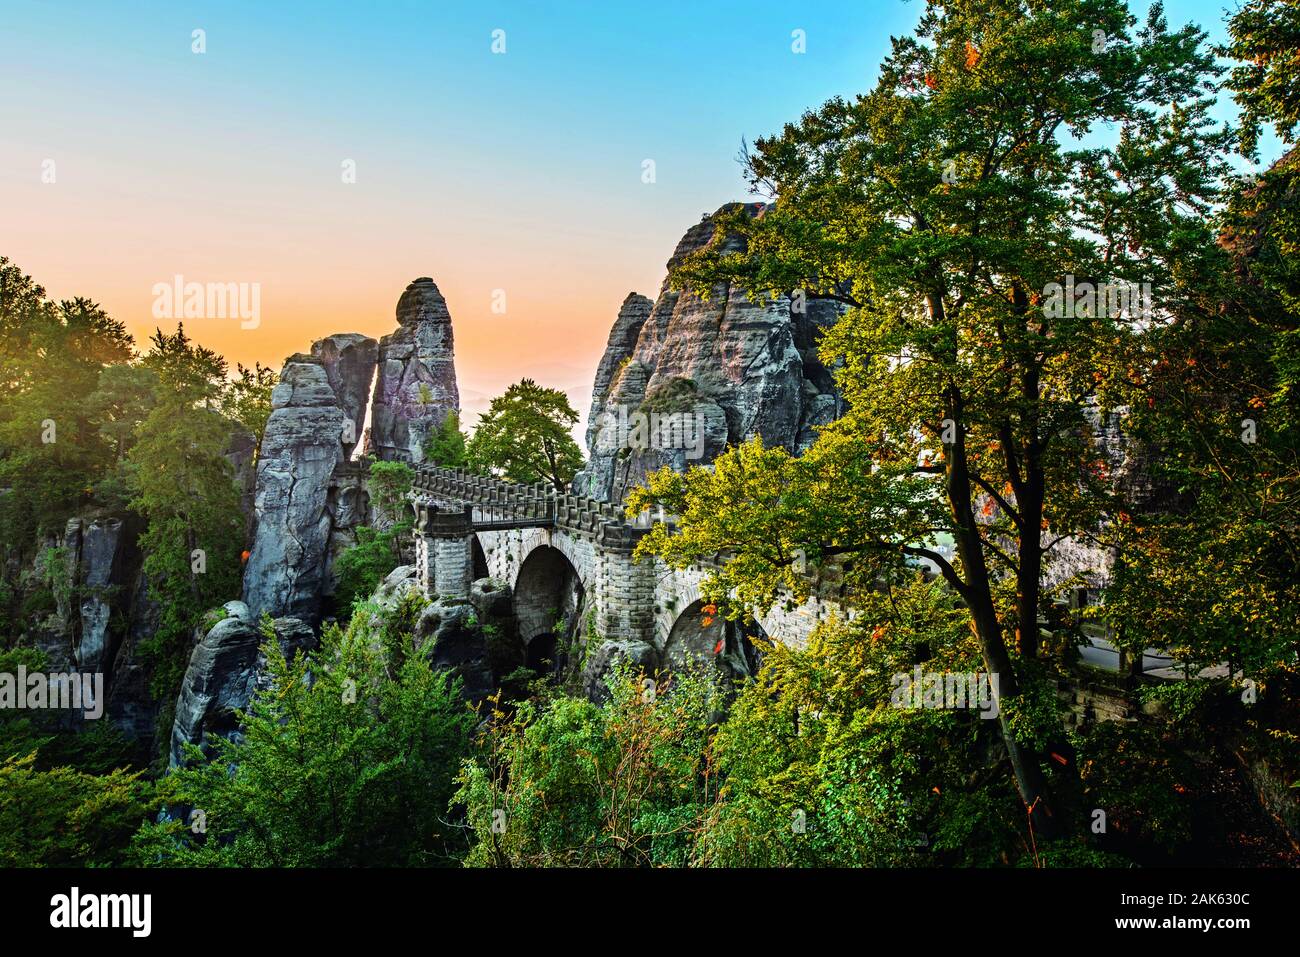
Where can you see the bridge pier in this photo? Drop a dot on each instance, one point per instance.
(625, 589)
(444, 556)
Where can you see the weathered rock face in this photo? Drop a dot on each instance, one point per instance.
(226, 668)
(494, 606)
(301, 446)
(131, 706)
(684, 377)
(416, 385)
(99, 553)
(349, 359)
(604, 659)
(219, 681)
(241, 453)
(477, 639)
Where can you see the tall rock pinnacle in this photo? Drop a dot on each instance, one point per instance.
(683, 377)
(416, 385)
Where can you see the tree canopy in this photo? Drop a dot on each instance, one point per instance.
(524, 436)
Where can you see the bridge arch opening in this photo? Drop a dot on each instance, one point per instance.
(479, 558)
(549, 600)
(699, 634)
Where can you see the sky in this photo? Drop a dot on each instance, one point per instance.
(512, 178)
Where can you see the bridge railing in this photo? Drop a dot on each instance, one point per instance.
(501, 501)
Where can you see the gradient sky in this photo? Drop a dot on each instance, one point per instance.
(519, 172)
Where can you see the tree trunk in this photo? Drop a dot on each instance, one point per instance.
(1030, 780)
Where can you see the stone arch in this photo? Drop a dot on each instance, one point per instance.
(675, 592)
(700, 637)
(549, 597)
(694, 636)
(478, 558)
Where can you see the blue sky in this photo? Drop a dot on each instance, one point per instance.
(519, 171)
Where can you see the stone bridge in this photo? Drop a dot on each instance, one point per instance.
(569, 560)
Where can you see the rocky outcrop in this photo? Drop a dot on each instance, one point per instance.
(301, 446)
(603, 660)
(349, 359)
(218, 682)
(132, 708)
(100, 554)
(241, 453)
(449, 635)
(494, 608)
(226, 669)
(415, 388)
(683, 378)
(476, 639)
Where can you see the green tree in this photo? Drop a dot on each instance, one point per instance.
(524, 437)
(940, 208)
(1264, 36)
(123, 399)
(446, 446)
(51, 451)
(361, 567)
(1215, 576)
(184, 487)
(389, 484)
(248, 398)
(819, 768)
(565, 783)
(345, 759)
(68, 818)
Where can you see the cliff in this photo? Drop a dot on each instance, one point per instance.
(684, 376)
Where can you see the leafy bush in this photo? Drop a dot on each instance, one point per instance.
(359, 569)
(566, 783)
(347, 758)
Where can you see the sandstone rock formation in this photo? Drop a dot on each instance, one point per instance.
(218, 682)
(415, 388)
(603, 660)
(99, 553)
(225, 669)
(300, 449)
(494, 606)
(476, 639)
(349, 359)
(132, 708)
(703, 374)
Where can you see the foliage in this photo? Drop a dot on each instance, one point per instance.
(525, 437)
(445, 447)
(1140, 781)
(345, 759)
(51, 450)
(247, 399)
(361, 567)
(940, 208)
(819, 768)
(389, 484)
(565, 783)
(675, 395)
(184, 487)
(68, 818)
(1266, 80)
